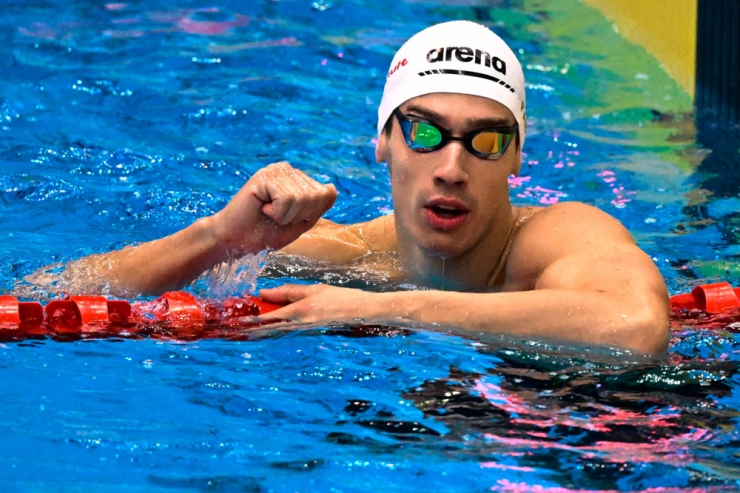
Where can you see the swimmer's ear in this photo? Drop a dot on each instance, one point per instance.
(381, 148)
(517, 164)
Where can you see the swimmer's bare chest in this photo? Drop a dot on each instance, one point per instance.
(510, 278)
(383, 256)
(506, 275)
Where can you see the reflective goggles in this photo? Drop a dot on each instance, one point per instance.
(424, 136)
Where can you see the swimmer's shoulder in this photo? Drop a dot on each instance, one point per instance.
(546, 234)
(342, 244)
(379, 234)
(565, 218)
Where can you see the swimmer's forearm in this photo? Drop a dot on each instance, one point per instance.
(153, 267)
(591, 317)
(276, 206)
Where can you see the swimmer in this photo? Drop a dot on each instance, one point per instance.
(452, 123)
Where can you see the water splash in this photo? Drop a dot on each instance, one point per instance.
(235, 276)
(321, 5)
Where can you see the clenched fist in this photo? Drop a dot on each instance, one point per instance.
(277, 205)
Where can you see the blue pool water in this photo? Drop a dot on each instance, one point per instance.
(124, 122)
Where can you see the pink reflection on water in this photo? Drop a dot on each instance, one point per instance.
(134, 33)
(517, 181)
(542, 195)
(620, 200)
(180, 20)
(210, 28)
(39, 30)
(674, 449)
(560, 159)
(268, 43)
(496, 465)
(530, 415)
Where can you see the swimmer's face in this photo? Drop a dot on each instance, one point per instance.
(447, 201)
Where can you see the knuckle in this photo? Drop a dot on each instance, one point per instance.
(328, 195)
(278, 167)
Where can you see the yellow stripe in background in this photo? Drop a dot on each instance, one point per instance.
(665, 28)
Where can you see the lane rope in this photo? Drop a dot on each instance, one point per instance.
(179, 315)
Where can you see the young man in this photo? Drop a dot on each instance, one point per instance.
(451, 125)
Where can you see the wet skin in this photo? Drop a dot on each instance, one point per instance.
(568, 271)
(450, 204)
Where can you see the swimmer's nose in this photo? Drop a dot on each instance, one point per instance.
(450, 169)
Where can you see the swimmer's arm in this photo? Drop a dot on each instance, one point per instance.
(171, 262)
(575, 274)
(276, 206)
(627, 310)
(587, 283)
(148, 268)
(581, 314)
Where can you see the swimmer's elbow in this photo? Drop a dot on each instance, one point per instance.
(649, 330)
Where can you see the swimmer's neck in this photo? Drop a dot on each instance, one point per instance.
(480, 267)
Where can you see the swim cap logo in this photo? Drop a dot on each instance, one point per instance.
(465, 55)
(400, 64)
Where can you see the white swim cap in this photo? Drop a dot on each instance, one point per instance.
(459, 57)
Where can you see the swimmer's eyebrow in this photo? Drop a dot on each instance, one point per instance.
(435, 117)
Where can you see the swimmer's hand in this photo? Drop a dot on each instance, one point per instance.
(320, 304)
(277, 205)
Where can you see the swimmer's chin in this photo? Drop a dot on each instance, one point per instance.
(440, 252)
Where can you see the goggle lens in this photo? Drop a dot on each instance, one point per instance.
(425, 135)
(491, 142)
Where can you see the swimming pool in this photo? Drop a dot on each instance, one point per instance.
(123, 122)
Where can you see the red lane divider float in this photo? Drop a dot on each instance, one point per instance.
(708, 306)
(179, 315)
(174, 315)
(710, 298)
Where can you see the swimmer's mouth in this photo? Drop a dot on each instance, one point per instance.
(446, 209)
(446, 212)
